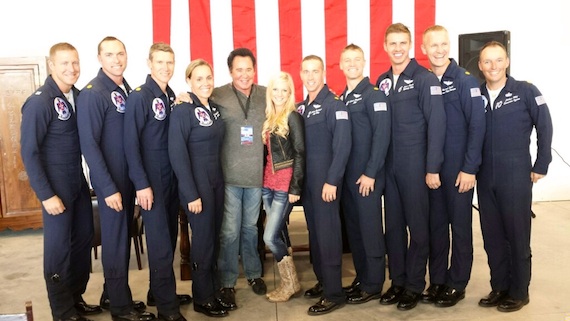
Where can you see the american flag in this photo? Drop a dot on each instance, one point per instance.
(282, 32)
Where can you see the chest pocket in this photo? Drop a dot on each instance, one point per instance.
(314, 116)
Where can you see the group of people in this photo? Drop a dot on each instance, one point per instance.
(418, 139)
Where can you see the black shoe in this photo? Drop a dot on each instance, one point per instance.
(212, 309)
(174, 317)
(324, 306)
(87, 309)
(314, 292)
(358, 296)
(449, 297)
(493, 298)
(352, 287)
(392, 295)
(408, 300)
(510, 305)
(76, 317)
(183, 299)
(137, 305)
(227, 299)
(134, 316)
(432, 292)
(258, 286)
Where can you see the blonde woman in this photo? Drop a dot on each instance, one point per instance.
(284, 140)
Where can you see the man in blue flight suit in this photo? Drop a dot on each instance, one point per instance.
(100, 114)
(365, 178)
(450, 205)
(414, 160)
(513, 109)
(52, 158)
(327, 146)
(146, 148)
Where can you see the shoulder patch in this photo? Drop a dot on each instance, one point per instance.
(376, 88)
(336, 97)
(467, 72)
(540, 100)
(341, 114)
(475, 92)
(435, 90)
(89, 86)
(138, 89)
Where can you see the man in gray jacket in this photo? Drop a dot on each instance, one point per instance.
(242, 107)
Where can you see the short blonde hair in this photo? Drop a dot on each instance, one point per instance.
(433, 28)
(61, 46)
(159, 46)
(195, 64)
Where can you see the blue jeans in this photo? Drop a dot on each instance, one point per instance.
(277, 209)
(239, 235)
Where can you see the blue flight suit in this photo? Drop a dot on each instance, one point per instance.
(146, 148)
(100, 115)
(370, 123)
(465, 131)
(195, 143)
(52, 158)
(327, 146)
(504, 187)
(416, 148)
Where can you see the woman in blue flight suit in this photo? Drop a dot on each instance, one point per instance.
(195, 140)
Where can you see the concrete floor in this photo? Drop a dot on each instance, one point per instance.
(21, 280)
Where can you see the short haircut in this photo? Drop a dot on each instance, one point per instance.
(434, 28)
(159, 46)
(493, 43)
(242, 52)
(108, 38)
(397, 28)
(61, 46)
(352, 47)
(313, 57)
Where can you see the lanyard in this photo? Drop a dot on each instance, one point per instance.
(246, 107)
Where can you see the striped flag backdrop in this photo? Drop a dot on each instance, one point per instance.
(282, 32)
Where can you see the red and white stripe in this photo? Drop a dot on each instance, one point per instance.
(282, 32)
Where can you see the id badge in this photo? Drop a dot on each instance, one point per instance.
(247, 135)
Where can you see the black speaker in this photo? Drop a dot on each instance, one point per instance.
(471, 43)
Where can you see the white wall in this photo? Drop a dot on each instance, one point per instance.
(539, 45)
